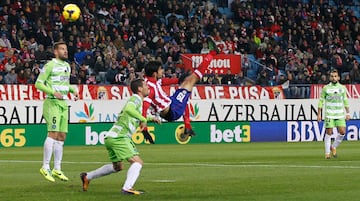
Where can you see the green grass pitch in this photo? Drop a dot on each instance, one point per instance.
(246, 171)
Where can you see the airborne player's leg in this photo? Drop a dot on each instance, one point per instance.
(180, 98)
(188, 128)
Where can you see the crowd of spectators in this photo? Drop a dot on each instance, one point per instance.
(295, 41)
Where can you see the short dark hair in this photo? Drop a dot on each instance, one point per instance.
(57, 44)
(135, 84)
(335, 71)
(151, 67)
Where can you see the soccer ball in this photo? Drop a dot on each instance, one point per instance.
(71, 12)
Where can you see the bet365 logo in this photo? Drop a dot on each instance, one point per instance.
(12, 137)
(240, 133)
(93, 137)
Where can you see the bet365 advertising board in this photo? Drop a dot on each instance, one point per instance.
(172, 133)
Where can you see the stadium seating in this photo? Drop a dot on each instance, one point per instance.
(357, 57)
(253, 70)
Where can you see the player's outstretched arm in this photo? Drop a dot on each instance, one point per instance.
(130, 109)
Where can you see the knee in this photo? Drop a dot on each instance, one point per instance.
(61, 136)
(136, 159)
(118, 167)
(141, 162)
(342, 132)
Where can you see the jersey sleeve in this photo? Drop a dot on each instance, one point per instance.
(147, 101)
(146, 105)
(169, 81)
(322, 97)
(41, 80)
(72, 89)
(131, 109)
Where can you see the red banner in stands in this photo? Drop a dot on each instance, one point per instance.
(353, 91)
(220, 64)
(115, 92)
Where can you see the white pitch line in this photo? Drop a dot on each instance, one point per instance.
(164, 181)
(260, 165)
(242, 164)
(65, 162)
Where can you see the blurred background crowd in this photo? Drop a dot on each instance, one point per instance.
(280, 41)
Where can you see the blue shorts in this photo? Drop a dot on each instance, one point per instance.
(178, 104)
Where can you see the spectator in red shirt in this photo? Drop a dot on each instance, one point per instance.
(21, 78)
(91, 79)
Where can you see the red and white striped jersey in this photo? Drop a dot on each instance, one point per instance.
(157, 98)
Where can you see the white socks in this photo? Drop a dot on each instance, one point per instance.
(338, 140)
(198, 74)
(100, 172)
(50, 146)
(58, 153)
(132, 175)
(327, 141)
(48, 150)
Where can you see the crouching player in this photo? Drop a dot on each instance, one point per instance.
(119, 143)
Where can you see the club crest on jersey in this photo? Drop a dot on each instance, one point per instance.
(64, 78)
(335, 91)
